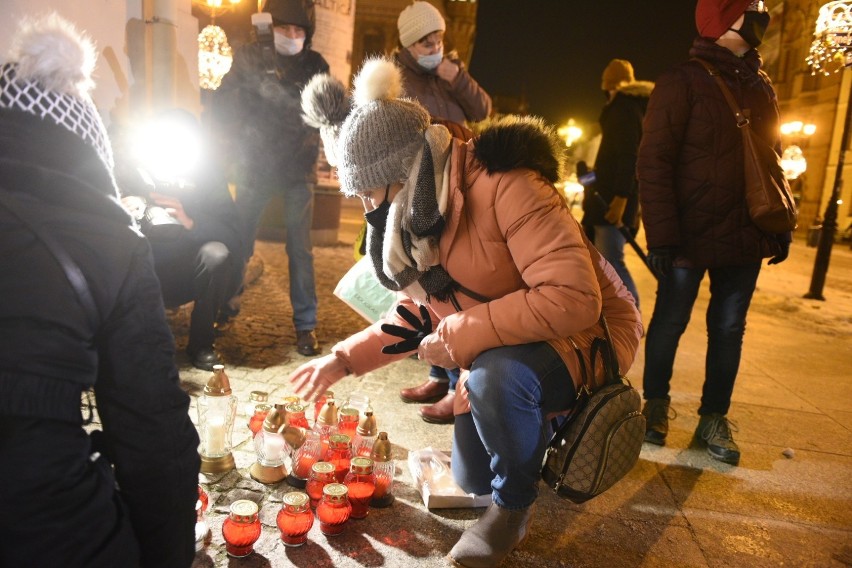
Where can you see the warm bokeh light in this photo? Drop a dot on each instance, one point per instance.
(793, 162)
(570, 132)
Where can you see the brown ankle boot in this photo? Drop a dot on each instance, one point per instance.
(430, 391)
(441, 412)
(497, 533)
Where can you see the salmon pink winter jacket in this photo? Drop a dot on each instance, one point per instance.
(509, 237)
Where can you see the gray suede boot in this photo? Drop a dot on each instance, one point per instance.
(497, 533)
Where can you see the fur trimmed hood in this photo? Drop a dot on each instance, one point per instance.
(521, 142)
(637, 89)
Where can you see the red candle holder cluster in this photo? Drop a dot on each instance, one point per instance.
(241, 529)
(339, 454)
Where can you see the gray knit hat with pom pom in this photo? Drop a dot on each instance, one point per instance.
(382, 134)
(325, 104)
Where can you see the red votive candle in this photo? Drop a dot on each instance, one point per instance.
(256, 420)
(361, 482)
(241, 529)
(296, 415)
(295, 519)
(334, 509)
(340, 454)
(322, 473)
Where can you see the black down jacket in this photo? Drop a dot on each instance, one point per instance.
(52, 351)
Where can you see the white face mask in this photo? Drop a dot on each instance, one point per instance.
(288, 46)
(430, 61)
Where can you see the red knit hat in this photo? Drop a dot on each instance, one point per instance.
(714, 17)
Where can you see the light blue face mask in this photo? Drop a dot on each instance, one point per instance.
(288, 46)
(430, 61)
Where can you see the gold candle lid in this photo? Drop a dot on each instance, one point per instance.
(296, 501)
(336, 492)
(243, 510)
(295, 407)
(273, 421)
(381, 448)
(339, 440)
(367, 425)
(361, 466)
(328, 414)
(323, 467)
(258, 396)
(349, 412)
(218, 384)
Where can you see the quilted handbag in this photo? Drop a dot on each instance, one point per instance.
(599, 442)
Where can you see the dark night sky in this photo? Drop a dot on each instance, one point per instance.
(556, 50)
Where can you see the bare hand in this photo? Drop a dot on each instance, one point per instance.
(314, 377)
(174, 207)
(433, 350)
(447, 70)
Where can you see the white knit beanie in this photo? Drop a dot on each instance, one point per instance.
(417, 21)
(49, 75)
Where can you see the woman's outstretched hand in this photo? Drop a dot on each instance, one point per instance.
(316, 376)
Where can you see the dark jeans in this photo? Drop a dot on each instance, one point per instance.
(731, 289)
(298, 218)
(443, 375)
(59, 507)
(499, 446)
(207, 275)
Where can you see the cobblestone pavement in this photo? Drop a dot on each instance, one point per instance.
(676, 508)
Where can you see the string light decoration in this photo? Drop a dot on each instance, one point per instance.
(214, 52)
(829, 52)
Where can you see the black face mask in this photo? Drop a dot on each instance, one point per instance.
(753, 28)
(378, 217)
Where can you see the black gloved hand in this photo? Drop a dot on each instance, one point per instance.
(781, 256)
(411, 338)
(660, 260)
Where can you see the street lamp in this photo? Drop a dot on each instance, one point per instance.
(214, 52)
(830, 52)
(570, 132)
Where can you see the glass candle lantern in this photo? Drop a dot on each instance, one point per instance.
(320, 402)
(256, 421)
(217, 408)
(334, 509)
(322, 473)
(384, 468)
(309, 453)
(296, 416)
(365, 435)
(347, 420)
(326, 423)
(339, 454)
(295, 519)
(361, 483)
(271, 450)
(241, 529)
(255, 398)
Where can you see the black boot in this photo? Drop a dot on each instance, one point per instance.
(714, 432)
(656, 412)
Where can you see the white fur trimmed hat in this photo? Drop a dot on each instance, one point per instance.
(417, 21)
(49, 75)
(381, 136)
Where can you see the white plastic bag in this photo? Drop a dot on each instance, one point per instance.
(360, 290)
(430, 469)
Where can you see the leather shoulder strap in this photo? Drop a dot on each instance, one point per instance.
(742, 120)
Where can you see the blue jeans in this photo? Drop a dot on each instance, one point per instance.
(499, 446)
(731, 289)
(442, 375)
(610, 241)
(298, 218)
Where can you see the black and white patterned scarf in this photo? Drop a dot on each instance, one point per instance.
(405, 254)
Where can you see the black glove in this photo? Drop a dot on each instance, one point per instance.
(781, 256)
(411, 338)
(660, 260)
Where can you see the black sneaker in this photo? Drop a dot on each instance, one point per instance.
(656, 412)
(203, 358)
(714, 432)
